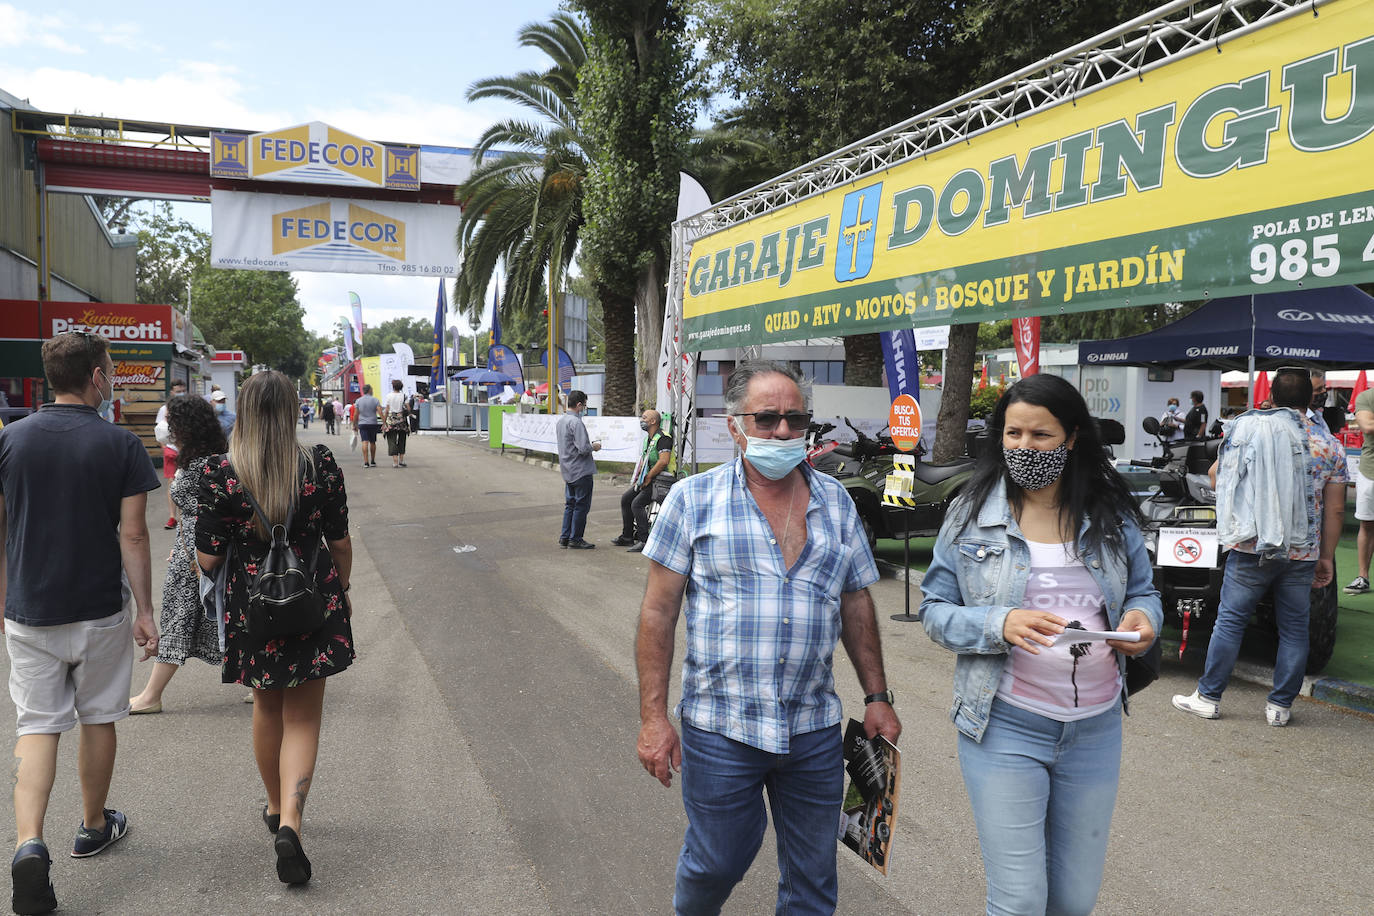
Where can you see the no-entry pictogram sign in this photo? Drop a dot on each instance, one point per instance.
(904, 422)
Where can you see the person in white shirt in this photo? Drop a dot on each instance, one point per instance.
(395, 424)
(169, 450)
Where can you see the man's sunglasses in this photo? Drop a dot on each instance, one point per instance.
(767, 420)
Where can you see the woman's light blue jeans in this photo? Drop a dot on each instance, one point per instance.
(723, 784)
(1042, 793)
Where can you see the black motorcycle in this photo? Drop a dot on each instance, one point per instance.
(1176, 493)
(862, 467)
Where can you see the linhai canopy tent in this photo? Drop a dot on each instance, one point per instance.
(1331, 327)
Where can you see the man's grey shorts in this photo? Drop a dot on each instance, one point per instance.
(1364, 498)
(71, 672)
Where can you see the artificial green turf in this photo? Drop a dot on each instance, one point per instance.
(1353, 659)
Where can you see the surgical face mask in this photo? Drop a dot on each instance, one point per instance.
(773, 458)
(219, 407)
(1318, 400)
(1033, 468)
(644, 425)
(106, 400)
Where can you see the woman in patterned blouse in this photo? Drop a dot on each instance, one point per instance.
(286, 673)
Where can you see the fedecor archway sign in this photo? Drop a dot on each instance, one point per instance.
(330, 232)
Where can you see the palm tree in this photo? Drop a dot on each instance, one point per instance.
(523, 202)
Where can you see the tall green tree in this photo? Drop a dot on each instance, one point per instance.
(170, 251)
(816, 75)
(255, 311)
(635, 91)
(522, 205)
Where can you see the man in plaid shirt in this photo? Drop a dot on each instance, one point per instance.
(775, 567)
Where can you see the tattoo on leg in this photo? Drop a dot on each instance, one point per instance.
(18, 762)
(302, 789)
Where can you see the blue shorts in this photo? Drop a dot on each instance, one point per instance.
(368, 431)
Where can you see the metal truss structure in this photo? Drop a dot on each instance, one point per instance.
(1166, 35)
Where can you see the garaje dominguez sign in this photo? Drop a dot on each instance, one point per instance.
(1244, 169)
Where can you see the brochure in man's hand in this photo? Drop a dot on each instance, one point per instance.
(869, 811)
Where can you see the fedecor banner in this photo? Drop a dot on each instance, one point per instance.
(275, 232)
(314, 153)
(1242, 168)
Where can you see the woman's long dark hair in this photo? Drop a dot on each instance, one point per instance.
(1090, 487)
(195, 429)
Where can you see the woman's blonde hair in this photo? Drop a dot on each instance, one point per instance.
(263, 448)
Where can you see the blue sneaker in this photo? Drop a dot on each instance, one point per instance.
(89, 842)
(33, 891)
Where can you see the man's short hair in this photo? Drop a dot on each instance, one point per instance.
(70, 358)
(1292, 388)
(178, 384)
(1196, 396)
(367, 389)
(576, 398)
(737, 386)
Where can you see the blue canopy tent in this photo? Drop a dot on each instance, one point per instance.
(1331, 328)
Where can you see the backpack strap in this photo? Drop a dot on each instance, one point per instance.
(285, 526)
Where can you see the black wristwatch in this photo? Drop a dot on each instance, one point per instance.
(885, 697)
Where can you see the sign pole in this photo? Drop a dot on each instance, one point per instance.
(904, 423)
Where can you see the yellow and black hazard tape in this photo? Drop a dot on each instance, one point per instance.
(901, 501)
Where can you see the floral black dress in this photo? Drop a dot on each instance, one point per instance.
(226, 517)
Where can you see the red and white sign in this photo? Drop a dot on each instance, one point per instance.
(118, 323)
(904, 422)
(1025, 333)
(1194, 548)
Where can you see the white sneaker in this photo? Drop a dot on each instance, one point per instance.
(1198, 706)
(1276, 716)
(1360, 586)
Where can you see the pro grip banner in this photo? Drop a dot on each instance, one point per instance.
(1243, 168)
(276, 232)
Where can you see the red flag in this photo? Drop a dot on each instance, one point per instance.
(1025, 333)
(983, 382)
(1361, 385)
(1261, 392)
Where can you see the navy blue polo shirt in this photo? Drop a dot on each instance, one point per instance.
(63, 473)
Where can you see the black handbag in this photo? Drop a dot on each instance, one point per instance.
(1143, 670)
(662, 484)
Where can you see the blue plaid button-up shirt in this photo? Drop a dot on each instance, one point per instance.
(760, 637)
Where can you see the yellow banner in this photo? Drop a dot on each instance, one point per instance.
(1204, 176)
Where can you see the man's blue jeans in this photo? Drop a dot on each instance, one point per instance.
(577, 499)
(723, 782)
(1247, 578)
(1042, 793)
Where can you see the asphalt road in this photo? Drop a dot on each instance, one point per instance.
(479, 756)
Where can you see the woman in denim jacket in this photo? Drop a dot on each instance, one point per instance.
(1046, 537)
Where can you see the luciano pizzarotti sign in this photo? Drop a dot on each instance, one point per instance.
(314, 153)
(1221, 174)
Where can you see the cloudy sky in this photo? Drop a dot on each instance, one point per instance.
(387, 72)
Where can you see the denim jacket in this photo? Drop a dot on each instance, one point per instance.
(979, 573)
(1264, 492)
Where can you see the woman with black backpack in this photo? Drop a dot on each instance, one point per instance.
(278, 515)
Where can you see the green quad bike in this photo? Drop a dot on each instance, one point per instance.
(862, 467)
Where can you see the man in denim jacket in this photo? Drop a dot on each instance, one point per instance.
(1252, 570)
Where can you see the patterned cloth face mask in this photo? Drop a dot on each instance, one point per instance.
(1033, 468)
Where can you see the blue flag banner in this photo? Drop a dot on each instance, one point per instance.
(438, 371)
(565, 367)
(502, 359)
(496, 317)
(903, 365)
